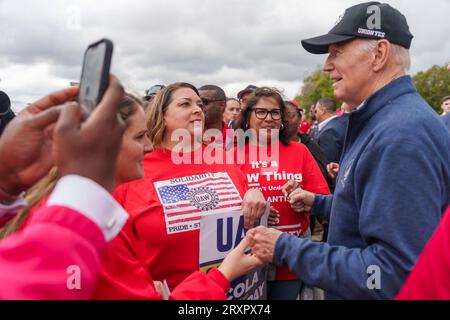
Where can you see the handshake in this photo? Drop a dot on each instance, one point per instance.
(299, 199)
(263, 240)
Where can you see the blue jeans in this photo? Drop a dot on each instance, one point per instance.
(283, 289)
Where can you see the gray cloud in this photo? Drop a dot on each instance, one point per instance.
(229, 43)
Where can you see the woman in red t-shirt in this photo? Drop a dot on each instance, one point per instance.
(180, 185)
(119, 257)
(270, 162)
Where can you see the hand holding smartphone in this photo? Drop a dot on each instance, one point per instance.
(95, 74)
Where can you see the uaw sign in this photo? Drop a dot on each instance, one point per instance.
(219, 234)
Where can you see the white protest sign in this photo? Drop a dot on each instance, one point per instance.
(219, 234)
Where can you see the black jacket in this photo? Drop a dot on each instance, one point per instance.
(331, 138)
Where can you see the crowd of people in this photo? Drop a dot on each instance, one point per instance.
(357, 195)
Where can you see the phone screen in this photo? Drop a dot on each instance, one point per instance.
(92, 82)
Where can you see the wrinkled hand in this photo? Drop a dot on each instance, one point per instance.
(274, 217)
(301, 200)
(263, 242)
(238, 263)
(90, 148)
(332, 170)
(253, 206)
(288, 187)
(26, 146)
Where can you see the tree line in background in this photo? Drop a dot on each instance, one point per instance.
(433, 84)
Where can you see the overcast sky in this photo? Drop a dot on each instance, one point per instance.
(230, 43)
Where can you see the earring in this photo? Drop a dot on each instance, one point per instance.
(282, 127)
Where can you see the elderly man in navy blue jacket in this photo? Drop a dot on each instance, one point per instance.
(394, 177)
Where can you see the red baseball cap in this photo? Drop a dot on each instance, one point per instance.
(295, 103)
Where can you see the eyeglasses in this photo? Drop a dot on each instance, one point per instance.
(261, 113)
(207, 101)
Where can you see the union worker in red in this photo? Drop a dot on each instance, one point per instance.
(270, 170)
(161, 237)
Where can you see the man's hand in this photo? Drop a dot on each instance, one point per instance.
(263, 241)
(26, 146)
(90, 148)
(332, 170)
(301, 200)
(288, 187)
(253, 207)
(238, 263)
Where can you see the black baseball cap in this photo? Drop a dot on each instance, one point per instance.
(5, 102)
(249, 89)
(371, 20)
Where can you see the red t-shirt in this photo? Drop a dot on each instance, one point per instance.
(165, 209)
(430, 278)
(269, 172)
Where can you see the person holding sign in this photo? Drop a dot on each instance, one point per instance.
(181, 185)
(271, 160)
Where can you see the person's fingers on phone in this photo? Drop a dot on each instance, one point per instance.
(69, 119)
(53, 99)
(108, 107)
(45, 118)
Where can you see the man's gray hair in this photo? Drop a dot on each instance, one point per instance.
(400, 54)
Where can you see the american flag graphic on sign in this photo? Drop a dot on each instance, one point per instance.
(186, 199)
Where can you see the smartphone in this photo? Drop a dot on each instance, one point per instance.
(95, 74)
